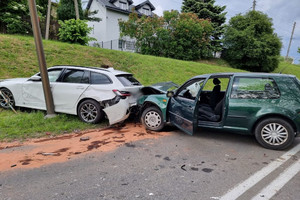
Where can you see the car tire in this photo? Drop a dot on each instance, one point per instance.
(8, 95)
(152, 119)
(274, 133)
(89, 111)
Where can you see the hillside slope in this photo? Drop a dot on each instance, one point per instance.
(18, 59)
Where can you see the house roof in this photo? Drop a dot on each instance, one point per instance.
(144, 3)
(109, 5)
(129, 1)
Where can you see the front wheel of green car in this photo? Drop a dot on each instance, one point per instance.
(152, 119)
(274, 133)
(6, 98)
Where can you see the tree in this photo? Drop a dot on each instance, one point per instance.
(299, 50)
(66, 10)
(251, 43)
(205, 9)
(15, 17)
(74, 31)
(181, 36)
(43, 4)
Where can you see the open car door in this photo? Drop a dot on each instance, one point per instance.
(183, 106)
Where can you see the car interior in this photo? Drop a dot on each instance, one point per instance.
(212, 100)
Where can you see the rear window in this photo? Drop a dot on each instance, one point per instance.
(98, 79)
(128, 80)
(254, 88)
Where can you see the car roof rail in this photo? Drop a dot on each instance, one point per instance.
(96, 68)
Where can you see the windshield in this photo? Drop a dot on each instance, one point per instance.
(128, 80)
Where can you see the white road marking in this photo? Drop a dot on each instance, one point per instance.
(279, 182)
(242, 187)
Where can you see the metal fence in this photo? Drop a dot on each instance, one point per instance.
(121, 45)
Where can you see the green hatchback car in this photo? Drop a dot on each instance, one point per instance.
(261, 104)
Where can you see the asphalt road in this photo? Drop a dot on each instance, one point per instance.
(207, 165)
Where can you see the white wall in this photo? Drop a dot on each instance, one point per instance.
(112, 24)
(98, 31)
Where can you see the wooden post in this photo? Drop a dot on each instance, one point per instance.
(288, 51)
(254, 5)
(41, 58)
(76, 9)
(48, 20)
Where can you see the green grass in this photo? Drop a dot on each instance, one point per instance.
(18, 59)
(33, 125)
(287, 68)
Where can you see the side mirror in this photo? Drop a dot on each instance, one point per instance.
(170, 94)
(35, 78)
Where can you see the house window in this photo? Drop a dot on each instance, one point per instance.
(130, 45)
(123, 5)
(146, 11)
(121, 44)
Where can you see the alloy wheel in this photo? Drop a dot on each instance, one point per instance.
(7, 99)
(89, 112)
(274, 134)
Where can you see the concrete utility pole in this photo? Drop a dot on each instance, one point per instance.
(48, 20)
(288, 51)
(254, 5)
(41, 58)
(76, 9)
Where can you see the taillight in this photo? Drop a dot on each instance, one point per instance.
(122, 93)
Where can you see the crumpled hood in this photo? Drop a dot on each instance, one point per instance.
(159, 88)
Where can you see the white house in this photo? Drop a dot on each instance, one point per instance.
(107, 31)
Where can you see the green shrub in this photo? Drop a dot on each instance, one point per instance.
(251, 43)
(180, 36)
(74, 31)
(66, 10)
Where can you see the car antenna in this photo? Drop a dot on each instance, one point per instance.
(283, 69)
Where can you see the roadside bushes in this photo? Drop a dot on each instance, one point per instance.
(251, 44)
(74, 31)
(181, 36)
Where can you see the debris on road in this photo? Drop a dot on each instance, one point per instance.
(48, 154)
(182, 167)
(85, 138)
(38, 152)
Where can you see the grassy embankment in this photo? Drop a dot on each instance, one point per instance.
(18, 59)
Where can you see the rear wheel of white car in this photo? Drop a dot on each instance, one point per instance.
(274, 133)
(152, 118)
(89, 111)
(6, 99)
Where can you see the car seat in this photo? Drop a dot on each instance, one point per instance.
(206, 113)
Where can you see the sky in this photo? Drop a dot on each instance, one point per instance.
(283, 12)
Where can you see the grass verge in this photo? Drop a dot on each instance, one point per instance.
(33, 125)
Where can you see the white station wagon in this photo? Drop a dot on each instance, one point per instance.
(84, 91)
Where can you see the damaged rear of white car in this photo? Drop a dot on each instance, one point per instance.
(88, 92)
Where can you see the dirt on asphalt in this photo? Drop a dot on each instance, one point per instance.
(38, 152)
